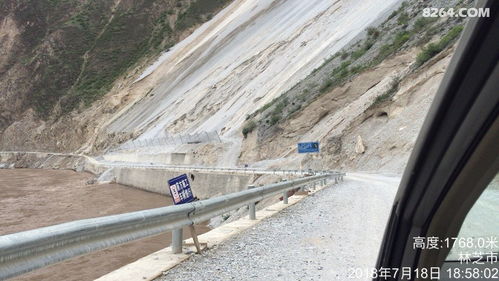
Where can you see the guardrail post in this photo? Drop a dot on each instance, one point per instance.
(177, 241)
(285, 197)
(252, 207)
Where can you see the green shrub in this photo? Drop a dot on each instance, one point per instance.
(325, 86)
(193, 14)
(450, 36)
(344, 65)
(427, 53)
(400, 39)
(432, 49)
(358, 53)
(343, 73)
(278, 109)
(357, 69)
(373, 32)
(265, 107)
(248, 128)
(368, 44)
(274, 119)
(403, 19)
(421, 23)
(428, 35)
(303, 96)
(362, 49)
(390, 48)
(392, 15)
(384, 51)
(388, 94)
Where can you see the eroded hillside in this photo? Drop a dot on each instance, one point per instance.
(358, 76)
(365, 104)
(57, 57)
(246, 56)
(357, 129)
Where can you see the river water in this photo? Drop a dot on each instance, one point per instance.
(33, 198)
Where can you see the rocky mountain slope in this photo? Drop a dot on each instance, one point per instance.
(57, 57)
(358, 76)
(366, 103)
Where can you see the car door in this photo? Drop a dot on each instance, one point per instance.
(455, 159)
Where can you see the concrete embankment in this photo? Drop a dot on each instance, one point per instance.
(204, 184)
(171, 158)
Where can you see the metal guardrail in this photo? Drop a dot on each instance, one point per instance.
(25, 251)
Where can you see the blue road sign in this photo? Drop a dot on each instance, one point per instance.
(180, 189)
(308, 147)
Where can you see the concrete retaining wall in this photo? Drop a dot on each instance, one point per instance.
(204, 185)
(173, 158)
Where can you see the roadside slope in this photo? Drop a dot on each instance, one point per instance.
(246, 56)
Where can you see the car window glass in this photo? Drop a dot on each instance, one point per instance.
(479, 233)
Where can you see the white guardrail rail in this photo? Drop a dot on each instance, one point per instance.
(251, 171)
(25, 251)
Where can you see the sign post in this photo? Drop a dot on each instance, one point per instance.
(308, 147)
(181, 192)
(180, 189)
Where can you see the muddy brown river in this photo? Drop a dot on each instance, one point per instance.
(33, 198)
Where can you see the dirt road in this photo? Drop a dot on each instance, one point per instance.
(33, 198)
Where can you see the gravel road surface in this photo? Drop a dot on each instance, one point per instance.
(323, 237)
